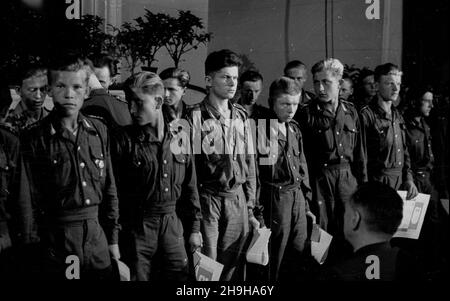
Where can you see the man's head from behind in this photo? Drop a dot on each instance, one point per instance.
(33, 86)
(372, 214)
(145, 95)
(346, 88)
(68, 78)
(251, 86)
(221, 70)
(284, 97)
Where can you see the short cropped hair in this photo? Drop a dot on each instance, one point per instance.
(146, 81)
(348, 79)
(250, 76)
(220, 59)
(32, 70)
(382, 205)
(365, 72)
(71, 63)
(293, 64)
(330, 64)
(283, 85)
(415, 94)
(183, 76)
(386, 69)
(105, 61)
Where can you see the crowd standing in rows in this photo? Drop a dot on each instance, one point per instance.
(153, 178)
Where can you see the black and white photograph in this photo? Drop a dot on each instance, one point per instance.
(224, 147)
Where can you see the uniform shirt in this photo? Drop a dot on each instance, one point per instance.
(15, 203)
(151, 179)
(306, 98)
(71, 175)
(112, 109)
(221, 170)
(385, 141)
(334, 138)
(258, 112)
(20, 117)
(289, 167)
(418, 140)
(171, 113)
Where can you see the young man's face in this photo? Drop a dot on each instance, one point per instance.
(33, 92)
(389, 87)
(173, 91)
(251, 91)
(298, 74)
(145, 104)
(369, 86)
(326, 85)
(104, 76)
(346, 90)
(285, 106)
(69, 90)
(427, 104)
(223, 83)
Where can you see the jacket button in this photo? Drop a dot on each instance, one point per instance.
(87, 202)
(82, 165)
(165, 175)
(166, 189)
(165, 162)
(84, 183)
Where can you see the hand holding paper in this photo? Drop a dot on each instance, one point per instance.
(258, 252)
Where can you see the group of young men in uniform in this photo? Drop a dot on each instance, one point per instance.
(154, 183)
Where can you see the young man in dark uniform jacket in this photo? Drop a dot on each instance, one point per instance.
(285, 190)
(334, 149)
(74, 196)
(384, 138)
(152, 178)
(14, 203)
(420, 145)
(225, 169)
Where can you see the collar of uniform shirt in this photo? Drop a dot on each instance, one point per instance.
(212, 111)
(383, 114)
(57, 127)
(145, 133)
